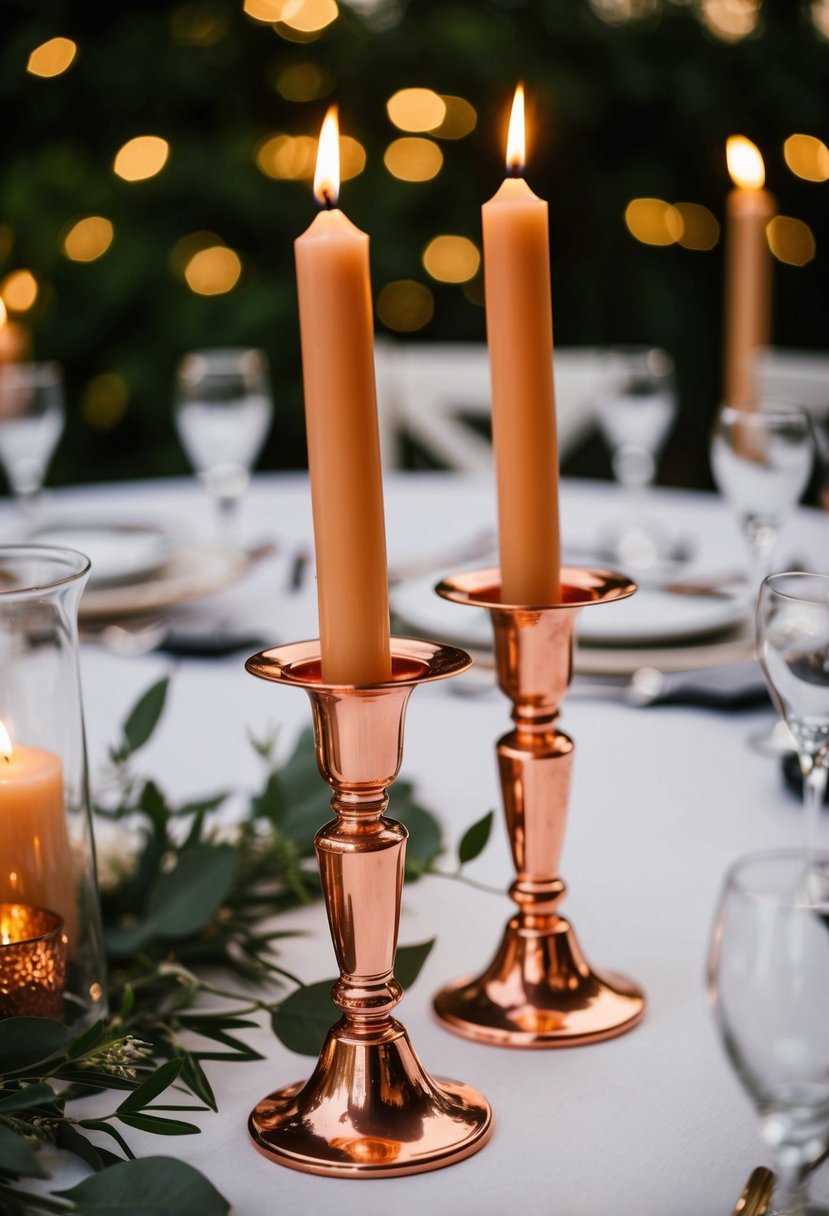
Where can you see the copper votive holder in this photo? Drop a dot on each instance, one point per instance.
(369, 1109)
(32, 962)
(539, 990)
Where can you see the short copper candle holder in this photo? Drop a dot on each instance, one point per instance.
(32, 962)
(369, 1110)
(539, 990)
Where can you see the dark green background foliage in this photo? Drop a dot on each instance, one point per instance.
(620, 111)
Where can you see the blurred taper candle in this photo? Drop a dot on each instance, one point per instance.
(337, 331)
(15, 339)
(748, 271)
(35, 856)
(519, 322)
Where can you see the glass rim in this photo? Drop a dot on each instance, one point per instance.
(778, 411)
(735, 878)
(221, 361)
(78, 566)
(770, 580)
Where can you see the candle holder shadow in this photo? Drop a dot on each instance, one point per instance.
(539, 990)
(369, 1109)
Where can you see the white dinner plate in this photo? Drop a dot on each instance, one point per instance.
(193, 571)
(119, 552)
(650, 617)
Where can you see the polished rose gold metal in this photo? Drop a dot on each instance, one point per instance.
(369, 1110)
(32, 962)
(539, 990)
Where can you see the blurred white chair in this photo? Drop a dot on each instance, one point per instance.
(794, 377)
(433, 393)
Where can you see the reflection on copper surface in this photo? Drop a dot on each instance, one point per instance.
(369, 1108)
(539, 990)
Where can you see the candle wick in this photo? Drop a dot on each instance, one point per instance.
(515, 170)
(327, 200)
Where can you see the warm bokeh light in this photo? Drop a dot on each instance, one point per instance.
(416, 109)
(745, 164)
(19, 290)
(327, 170)
(700, 227)
(807, 157)
(405, 306)
(104, 401)
(730, 20)
(184, 249)
(620, 12)
(516, 137)
(267, 11)
(88, 238)
(309, 16)
(198, 24)
(141, 157)
(293, 157)
(820, 17)
(4, 316)
(413, 159)
(451, 259)
(460, 119)
(791, 240)
(213, 271)
(303, 82)
(653, 221)
(352, 158)
(52, 58)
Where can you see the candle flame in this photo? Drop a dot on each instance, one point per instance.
(516, 139)
(327, 175)
(4, 316)
(745, 164)
(5, 743)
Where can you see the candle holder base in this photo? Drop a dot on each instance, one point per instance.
(540, 991)
(370, 1110)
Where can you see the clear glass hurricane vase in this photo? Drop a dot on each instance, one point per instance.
(47, 856)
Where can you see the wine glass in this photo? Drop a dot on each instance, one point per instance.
(761, 460)
(793, 648)
(31, 423)
(223, 411)
(768, 979)
(635, 410)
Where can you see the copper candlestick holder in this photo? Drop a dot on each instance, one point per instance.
(369, 1110)
(538, 991)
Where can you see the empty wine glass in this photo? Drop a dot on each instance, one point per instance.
(768, 978)
(31, 423)
(635, 410)
(793, 648)
(223, 411)
(761, 460)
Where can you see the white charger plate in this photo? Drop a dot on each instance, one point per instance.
(119, 552)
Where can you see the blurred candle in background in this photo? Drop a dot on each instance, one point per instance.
(519, 322)
(15, 339)
(337, 331)
(748, 271)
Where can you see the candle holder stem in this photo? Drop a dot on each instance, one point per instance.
(369, 1108)
(539, 990)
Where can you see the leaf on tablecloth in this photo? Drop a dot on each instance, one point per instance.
(28, 1041)
(409, 962)
(153, 1186)
(475, 839)
(17, 1157)
(183, 900)
(304, 1018)
(144, 716)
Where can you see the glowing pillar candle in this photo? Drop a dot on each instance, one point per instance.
(35, 857)
(748, 271)
(337, 330)
(519, 321)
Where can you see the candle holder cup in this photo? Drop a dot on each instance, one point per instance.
(47, 855)
(539, 991)
(369, 1109)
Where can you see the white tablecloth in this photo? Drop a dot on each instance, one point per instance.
(662, 800)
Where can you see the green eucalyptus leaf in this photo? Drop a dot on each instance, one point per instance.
(153, 1186)
(17, 1157)
(101, 1125)
(69, 1138)
(303, 1019)
(184, 899)
(195, 1078)
(144, 715)
(125, 940)
(25, 1099)
(155, 1084)
(409, 961)
(28, 1041)
(158, 1126)
(86, 1041)
(475, 839)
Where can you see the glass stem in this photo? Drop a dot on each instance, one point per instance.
(814, 789)
(228, 515)
(762, 539)
(790, 1194)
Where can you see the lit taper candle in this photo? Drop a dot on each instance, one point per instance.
(748, 270)
(337, 330)
(519, 322)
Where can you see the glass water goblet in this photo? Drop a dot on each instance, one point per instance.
(793, 648)
(635, 411)
(31, 423)
(768, 979)
(761, 460)
(223, 410)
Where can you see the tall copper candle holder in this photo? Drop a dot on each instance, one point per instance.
(539, 990)
(369, 1110)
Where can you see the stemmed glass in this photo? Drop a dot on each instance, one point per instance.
(223, 411)
(761, 460)
(31, 423)
(635, 411)
(793, 648)
(768, 979)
